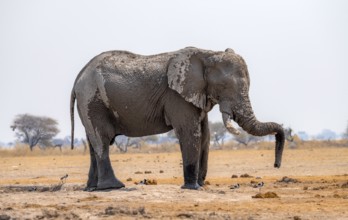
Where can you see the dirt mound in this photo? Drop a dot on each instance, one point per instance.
(54, 214)
(125, 211)
(286, 179)
(245, 175)
(345, 185)
(267, 195)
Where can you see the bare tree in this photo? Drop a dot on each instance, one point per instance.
(171, 134)
(34, 130)
(217, 133)
(292, 139)
(245, 138)
(122, 142)
(84, 145)
(345, 135)
(288, 134)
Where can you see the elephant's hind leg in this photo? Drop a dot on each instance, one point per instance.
(106, 176)
(93, 170)
(101, 175)
(100, 133)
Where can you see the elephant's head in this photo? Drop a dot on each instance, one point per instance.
(206, 78)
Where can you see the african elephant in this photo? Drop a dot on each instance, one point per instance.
(119, 92)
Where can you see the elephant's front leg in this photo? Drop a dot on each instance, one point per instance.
(190, 144)
(203, 161)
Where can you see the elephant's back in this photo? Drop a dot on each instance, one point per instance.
(127, 63)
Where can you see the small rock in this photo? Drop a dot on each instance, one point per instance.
(235, 186)
(336, 196)
(147, 182)
(110, 211)
(50, 213)
(161, 171)
(148, 172)
(185, 215)
(138, 172)
(5, 217)
(234, 176)
(286, 179)
(141, 210)
(245, 176)
(297, 217)
(344, 185)
(129, 179)
(152, 182)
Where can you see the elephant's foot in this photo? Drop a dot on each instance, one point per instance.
(193, 186)
(107, 184)
(201, 182)
(90, 188)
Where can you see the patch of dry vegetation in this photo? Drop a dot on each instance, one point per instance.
(298, 144)
(23, 150)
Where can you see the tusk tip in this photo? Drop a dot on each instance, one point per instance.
(237, 132)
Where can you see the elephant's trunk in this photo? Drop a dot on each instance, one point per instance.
(245, 118)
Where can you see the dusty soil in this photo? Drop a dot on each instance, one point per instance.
(316, 187)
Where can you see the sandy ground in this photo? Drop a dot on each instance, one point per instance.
(317, 187)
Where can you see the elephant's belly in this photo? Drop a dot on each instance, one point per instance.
(135, 126)
(138, 108)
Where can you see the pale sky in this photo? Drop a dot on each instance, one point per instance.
(296, 51)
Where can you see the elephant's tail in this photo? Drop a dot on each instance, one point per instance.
(72, 104)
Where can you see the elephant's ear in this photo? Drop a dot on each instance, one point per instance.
(186, 76)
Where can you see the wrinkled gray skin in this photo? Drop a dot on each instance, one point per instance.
(119, 92)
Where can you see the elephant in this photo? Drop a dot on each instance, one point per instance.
(122, 93)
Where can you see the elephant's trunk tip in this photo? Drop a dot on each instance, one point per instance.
(280, 141)
(277, 165)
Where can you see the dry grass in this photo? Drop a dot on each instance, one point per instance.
(298, 144)
(22, 150)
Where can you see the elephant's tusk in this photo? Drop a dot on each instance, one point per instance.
(230, 127)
